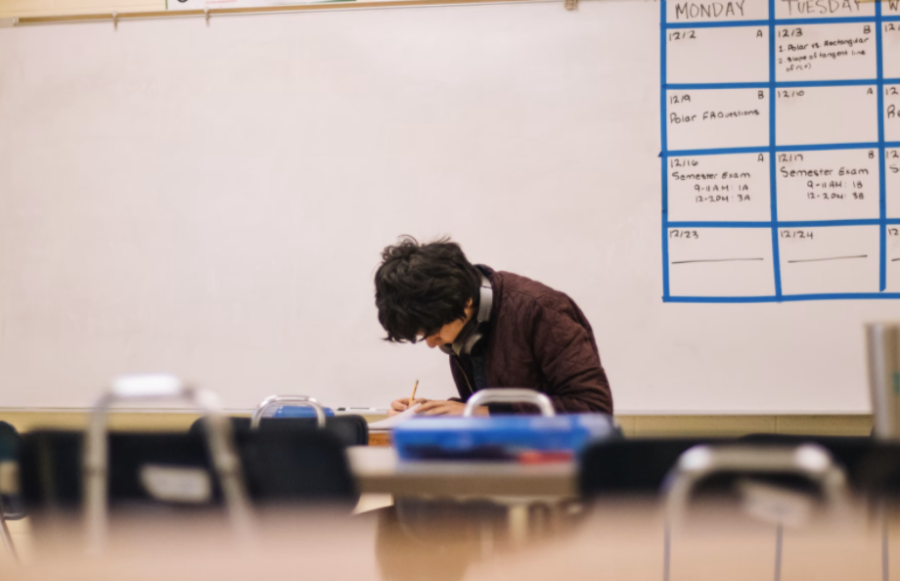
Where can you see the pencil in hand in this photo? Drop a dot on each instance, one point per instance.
(413, 396)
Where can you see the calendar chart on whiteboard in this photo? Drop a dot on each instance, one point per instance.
(780, 150)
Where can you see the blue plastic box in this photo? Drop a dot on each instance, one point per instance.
(504, 437)
(299, 411)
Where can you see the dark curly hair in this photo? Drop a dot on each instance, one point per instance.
(419, 288)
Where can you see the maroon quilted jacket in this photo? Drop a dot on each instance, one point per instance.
(539, 338)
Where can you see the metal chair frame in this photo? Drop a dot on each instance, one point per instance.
(144, 388)
(279, 400)
(509, 395)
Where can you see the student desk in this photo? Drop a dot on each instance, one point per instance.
(379, 470)
(616, 541)
(379, 438)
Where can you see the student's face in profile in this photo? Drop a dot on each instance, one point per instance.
(448, 333)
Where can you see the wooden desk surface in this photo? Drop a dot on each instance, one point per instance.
(616, 541)
(626, 542)
(378, 470)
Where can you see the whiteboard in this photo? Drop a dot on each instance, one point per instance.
(775, 196)
(212, 200)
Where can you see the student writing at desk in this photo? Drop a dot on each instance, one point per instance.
(500, 329)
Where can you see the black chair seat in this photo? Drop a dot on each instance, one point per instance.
(350, 430)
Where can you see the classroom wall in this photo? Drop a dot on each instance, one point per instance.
(23, 8)
(215, 283)
(156, 217)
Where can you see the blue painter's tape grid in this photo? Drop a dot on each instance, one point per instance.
(773, 176)
(766, 85)
(772, 149)
(664, 157)
(778, 148)
(781, 22)
(784, 298)
(781, 224)
(882, 184)
(764, 23)
(720, 24)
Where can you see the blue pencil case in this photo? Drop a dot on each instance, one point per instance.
(299, 411)
(504, 437)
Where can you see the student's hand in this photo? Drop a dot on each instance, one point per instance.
(448, 408)
(401, 405)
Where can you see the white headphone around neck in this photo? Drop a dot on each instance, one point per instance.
(465, 344)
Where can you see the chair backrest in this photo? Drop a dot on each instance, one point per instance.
(630, 466)
(10, 499)
(303, 465)
(639, 466)
(854, 454)
(9, 442)
(350, 430)
(52, 461)
(174, 469)
(765, 472)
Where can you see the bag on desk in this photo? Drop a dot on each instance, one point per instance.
(523, 438)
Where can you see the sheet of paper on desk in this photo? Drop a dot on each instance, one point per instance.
(391, 423)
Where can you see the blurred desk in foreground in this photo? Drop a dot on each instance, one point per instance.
(379, 438)
(620, 541)
(378, 470)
